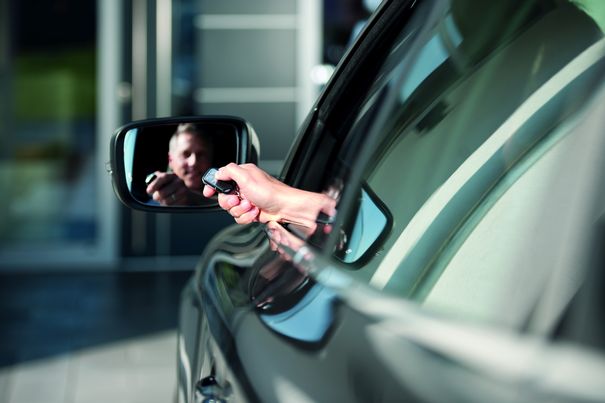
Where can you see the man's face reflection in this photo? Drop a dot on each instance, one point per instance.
(189, 157)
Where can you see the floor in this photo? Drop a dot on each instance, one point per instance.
(89, 337)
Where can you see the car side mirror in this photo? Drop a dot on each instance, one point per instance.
(157, 164)
(365, 229)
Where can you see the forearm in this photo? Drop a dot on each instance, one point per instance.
(299, 207)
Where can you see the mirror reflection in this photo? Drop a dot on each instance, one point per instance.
(362, 232)
(164, 163)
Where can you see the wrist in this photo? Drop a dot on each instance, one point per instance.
(302, 207)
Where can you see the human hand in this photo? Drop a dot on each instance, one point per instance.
(255, 190)
(263, 198)
(168, 189)
(283, 241)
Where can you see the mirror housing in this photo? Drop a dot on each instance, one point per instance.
(144, 150)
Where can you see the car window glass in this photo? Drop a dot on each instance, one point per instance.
(472, 101)
(467, 277)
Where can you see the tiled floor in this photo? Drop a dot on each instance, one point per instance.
(96, 337)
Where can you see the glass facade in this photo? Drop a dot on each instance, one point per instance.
(47, 129)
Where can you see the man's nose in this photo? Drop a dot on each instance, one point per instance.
(191, 160)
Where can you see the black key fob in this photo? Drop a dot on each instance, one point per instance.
(150, 178)
(209, 179)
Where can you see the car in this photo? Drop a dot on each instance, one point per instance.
(462, 141)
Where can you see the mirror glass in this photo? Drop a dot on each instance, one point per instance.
(164, 162)
(360, 235)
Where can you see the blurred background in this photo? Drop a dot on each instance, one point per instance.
(88, 288)
(71, 72)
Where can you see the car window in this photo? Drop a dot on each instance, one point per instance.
(486, 258)
(461, 113)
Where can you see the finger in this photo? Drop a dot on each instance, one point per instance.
(241, 208)
(227, 201)
(165, 199)
(162, 179)
(153, 185)
(273, 233)
(170, 191)
(208, 191)
(150, 188)
(248, 217)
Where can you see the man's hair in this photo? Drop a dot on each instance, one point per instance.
(193, 129)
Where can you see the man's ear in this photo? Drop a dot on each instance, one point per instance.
(170, 168)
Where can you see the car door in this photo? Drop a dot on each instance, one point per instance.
(454, 138)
